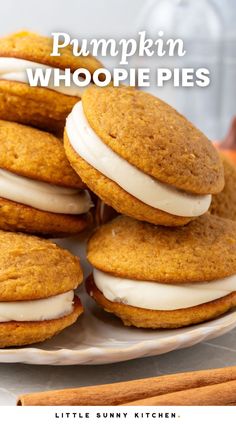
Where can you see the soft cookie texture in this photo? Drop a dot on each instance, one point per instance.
(37, 48)
(202, 251)
(30, 269)
(39, 156)
(224, 203)
(154, 138)
(36, 106)
(17, 217)
(35, 154)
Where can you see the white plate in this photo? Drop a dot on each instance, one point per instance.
(100, 338)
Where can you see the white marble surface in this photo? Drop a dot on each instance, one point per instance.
(16, 379)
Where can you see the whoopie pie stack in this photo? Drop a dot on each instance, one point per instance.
(151, 164)
(40, 194)
(164, 262)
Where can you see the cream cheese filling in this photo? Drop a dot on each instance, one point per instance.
(37, 310)
(14, 69)
(140, 185)
(43, 196)
(158, 296)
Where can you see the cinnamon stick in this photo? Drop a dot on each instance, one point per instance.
(216, 394)
(129, 391)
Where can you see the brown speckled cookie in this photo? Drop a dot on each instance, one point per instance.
(147, 318)
(33, 269)
(38, 156)
(224, 203)
(112, 194)
(37, 48)
(25, 333)
(155, 138)
(35, 154)
(17, 217)
(39, 107)
(203, 250)
(35, 106)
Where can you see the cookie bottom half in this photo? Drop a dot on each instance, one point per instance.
(24, 333)
(113, 195)
(35, 106)
(145, 318)
(18, 217)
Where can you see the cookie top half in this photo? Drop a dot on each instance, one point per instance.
(35, 154)
(155, 138)
(32, 268)
(201, 251)
(37, 48)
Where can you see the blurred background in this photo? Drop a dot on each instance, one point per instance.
(206, 26)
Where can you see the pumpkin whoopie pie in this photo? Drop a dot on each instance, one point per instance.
(159, 277)
(142, 157)
(37, 283)
(224, 203)
(45, 108)
(39, 191)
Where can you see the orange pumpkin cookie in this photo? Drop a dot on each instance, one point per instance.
(157, 277)
(45, 108)
(142, 157)
(224, 203)
(38, 280)
(39, 191)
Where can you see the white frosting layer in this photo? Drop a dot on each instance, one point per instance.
(145, 188)
(37, 310)
(43, 196)
(14, 69)
(157, 296)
